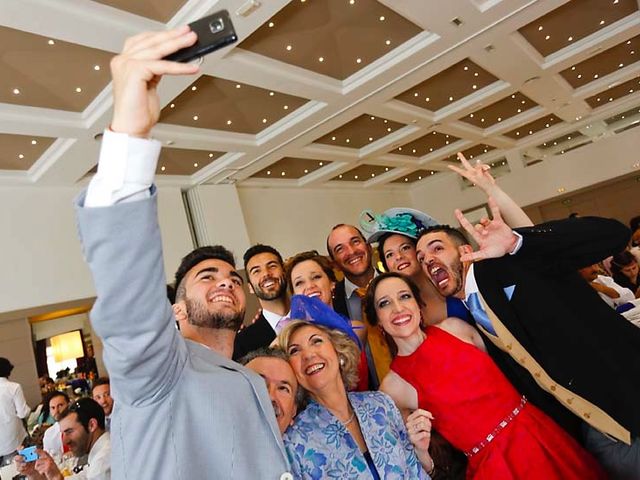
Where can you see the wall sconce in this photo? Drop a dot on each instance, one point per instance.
(67, 346)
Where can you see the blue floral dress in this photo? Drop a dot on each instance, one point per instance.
(319, 446)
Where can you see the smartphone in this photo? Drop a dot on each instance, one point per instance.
(29, 454)
(214, 32)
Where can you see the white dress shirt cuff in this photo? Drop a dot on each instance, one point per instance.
(518, 244)
(126, 169)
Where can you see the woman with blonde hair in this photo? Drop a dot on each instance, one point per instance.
(343, 434)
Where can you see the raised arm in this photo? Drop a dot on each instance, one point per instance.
(142, 349)
(479, 175)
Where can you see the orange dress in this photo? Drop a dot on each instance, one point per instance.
(478, 411)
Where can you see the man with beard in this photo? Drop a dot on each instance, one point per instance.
(551, 335)
(185, 409)
(83, 432)
(101, 393)
(265, 274)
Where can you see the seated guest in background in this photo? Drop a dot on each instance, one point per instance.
(612, 293)
(13, 409)
(52, 440)
(625, 270)
(446, 371)
(83, 432)
(286, 397)
(342, 434)
(310, 274)
(265, 276)
(101, 393)
(218, 408)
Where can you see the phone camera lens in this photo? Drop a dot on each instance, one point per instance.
(216, 25)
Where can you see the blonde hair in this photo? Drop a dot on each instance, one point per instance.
(346, 349)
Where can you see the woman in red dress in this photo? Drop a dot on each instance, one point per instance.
(444, 376)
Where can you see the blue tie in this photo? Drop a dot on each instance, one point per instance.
(479, 315)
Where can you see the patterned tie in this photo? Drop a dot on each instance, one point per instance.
(377, 343)
(479, 315)
(281, 324)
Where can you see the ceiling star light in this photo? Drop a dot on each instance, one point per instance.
(355, 176)
(381, 18)
(406, 179)
(347, 140)
(162, 168)
(466, 68)
(51, 42)
(387, 42)
(271, 94)
(288, 47)
(358, 60)
(16, 91)
(320, 163)
(96, 68)
(333, 138)
(547, 37)
(620, 65)
(540, 28)
(271, 24)
(285, 107)
(173, 105)
(229, 122)
(386, 169)
(371, 139)
(570, 39)
(34, 142)
(268, 172)
(264, 120)
(321, 59)
(211, 155)
(78, 90)
(372, 117)
(427, 99)
(373, 175)
(195, 165)
(238, 85)
(339, 176)
(351, 2)
(195, 117)
(451, 99)
(194, 88)
(282, 174)
(595, 76)
(474, 87)
(601, 22)
(21, 156)
(306, 171)
(388, 129)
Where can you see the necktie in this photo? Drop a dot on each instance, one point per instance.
(377, 343)
(281, 324)
(479, 315)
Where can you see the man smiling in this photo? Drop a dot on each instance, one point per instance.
(265, 274)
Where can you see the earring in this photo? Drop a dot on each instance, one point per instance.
(342, 361)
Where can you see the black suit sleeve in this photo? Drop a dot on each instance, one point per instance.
(573, 243)
(257, 335)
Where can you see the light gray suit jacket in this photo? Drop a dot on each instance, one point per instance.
(181, 411)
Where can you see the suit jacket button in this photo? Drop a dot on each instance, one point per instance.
(286, 476)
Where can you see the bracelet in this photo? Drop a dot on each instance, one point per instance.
(433, 467)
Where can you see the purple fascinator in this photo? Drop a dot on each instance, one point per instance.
(314, 310)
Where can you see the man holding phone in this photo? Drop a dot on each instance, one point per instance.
(185, 410)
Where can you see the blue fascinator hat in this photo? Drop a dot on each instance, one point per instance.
(405, 221)
(315, 311)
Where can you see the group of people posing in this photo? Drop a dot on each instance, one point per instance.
(506, 352)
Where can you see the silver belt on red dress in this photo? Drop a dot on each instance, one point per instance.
(513, 414)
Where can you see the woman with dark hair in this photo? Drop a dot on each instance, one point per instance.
(625, 268)
(445, 370)
(342, 434)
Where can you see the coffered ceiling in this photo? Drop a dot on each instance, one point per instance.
(356, 93)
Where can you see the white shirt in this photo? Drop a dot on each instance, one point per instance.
(98, 465)
(13, 407)
(273, 318)
(626, 295)
(52, 441)
(126, 169)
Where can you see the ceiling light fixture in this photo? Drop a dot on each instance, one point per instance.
(358, 60)
(321, 59)
(289, 47)
(34, 142)
(271, 24)
(540, 28)
(320, 163)
(285, 107)
(387, 42)
(195, 165)
(51, 42)
(78, 90)
(96, 68)
(271, 94)
(264, 120)
(228, 122)
(173, 105)
(347, 140)
(195, 117)
(381, 18)
(21, 156)
(162, 168)
(211, 155)
(570, 39)
(238, 85)
(16, 91)
(547, 37)
(194, 88)
(306, 171)
(268, 172)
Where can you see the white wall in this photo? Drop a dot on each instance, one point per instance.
(42, 262)
(601, 161)
(293, 220)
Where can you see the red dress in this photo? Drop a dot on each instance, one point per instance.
(471, 400)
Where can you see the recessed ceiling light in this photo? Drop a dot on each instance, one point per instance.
(268, 172)
(419, 177)
(373, 175)
(264, 120)
(238, 85)
(547, 37)
(51, 42)
(406, 179)
(16, 91)
(595, 76)
(386, 169)
(546, 125)
(388, 129)
(21, 156)
(372, 117)
(470, 116)
(211, 155)
(195, 165)
(530, 132)
(194, 88)
(427, 99)
(339, 176)
(351, 2)
(333, 138)
(320, 163)
(482, 120)
(229, 122)
(475, 74)
(519, 110)
(195, 117)
(78, 90)
(347, 140)
(387, 42)
(282, 174)
(271, 24)
(513, 96)
(628, 42)
(173, 105)
(321, 59)
(306, 171)
(162, 168)
(610, 99)
(96, 68)
(371, 139)
(540, 28)
(451, 99)
(271, 94)
(34, 142)
(474, 86)
(285, 107)
(358, 60)
(355, 176)
(601, 22)
(499, 119)
(620, 65)
(466, 68)
(579, 75)
(414, 150)
(289, 47)
(381, 18)
(570, 39)
(415, 94)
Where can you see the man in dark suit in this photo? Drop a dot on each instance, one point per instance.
(548, 322)
(265, 275)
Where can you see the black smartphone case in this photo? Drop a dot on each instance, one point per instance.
(214, 32)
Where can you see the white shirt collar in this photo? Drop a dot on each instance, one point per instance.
(470, 285)
(273, 318)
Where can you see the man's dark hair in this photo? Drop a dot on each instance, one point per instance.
(47, 400)
(216, 252)
(634, 223)
(338, 226)
(454, 234)
(270, 352)
(5, 367)
(101, 381)
(574, 215)
(257, 249)
(86, 409)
